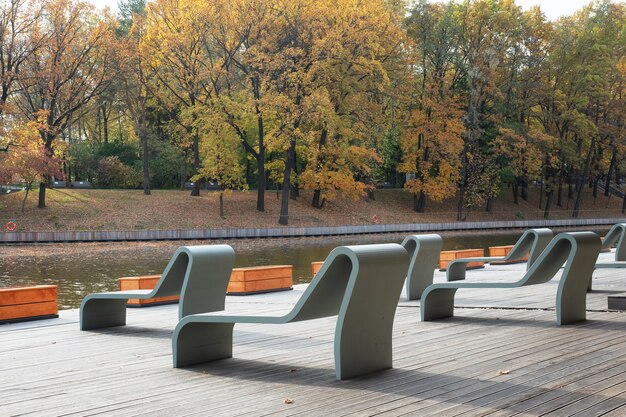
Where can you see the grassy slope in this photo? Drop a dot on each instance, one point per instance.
(70, 209)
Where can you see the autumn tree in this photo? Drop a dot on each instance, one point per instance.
(68, 70)
(29, 161)
(432, 141)
(134, 74)
(221, 159)
(18, 20)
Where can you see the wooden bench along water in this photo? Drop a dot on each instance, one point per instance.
(199, 274)
(531, 243)
(28, 303)
(447, 256)
(502, 252)
(315, 267)
(578, 251)
(424, 251)
(147, 282)
(260, 279)
(360, 284)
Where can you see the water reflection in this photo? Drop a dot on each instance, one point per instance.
(82, 272)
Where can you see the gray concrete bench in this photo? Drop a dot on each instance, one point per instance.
(199, 274)
(616, 236)
(532, 242)
(578, 251)
(424, 252)
(360, 284)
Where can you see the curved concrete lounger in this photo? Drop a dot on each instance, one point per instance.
(199, 274)
(532, 242)
(424, 251)
(578, 250)
(616, 236)
(361, 284)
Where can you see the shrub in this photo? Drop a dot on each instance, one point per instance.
(111, 172)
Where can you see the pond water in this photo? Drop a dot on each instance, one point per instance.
(80, 272)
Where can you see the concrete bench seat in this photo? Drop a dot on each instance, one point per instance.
(531, 243)
(424, 252)
(198, 274)
(616, 236)
(578, 251)
(359, 284)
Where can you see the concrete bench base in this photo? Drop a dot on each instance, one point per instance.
(28, 303)
(260, 279)
(147, 282)
(616, 302)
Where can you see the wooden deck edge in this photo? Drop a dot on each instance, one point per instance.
(31, 318)
(151, 304)
(259, 292)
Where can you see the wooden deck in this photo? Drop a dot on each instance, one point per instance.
(501, 355)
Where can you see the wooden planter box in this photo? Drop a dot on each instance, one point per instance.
(315, 267)
(449, 255)
(604, 250)
(28, 303)
(501, 251)
(147, 282)
(260, 279)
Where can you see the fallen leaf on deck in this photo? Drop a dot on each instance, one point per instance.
(287, 401)
(504, 371)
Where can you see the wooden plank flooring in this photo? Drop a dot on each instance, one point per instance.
(501, 355)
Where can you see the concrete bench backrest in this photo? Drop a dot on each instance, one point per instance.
(532, 242)
(616, 236)
(563, 249)
(424, 252)
(335, 285)
(200, 274)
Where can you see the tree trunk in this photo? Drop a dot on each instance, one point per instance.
(222, 205)
(195, 192)
(579, 194)
(624, 204)
(321, 143)
(143, 136)
(47, 140)
(284, 206)
(183, 171)
(546, 211)
(105, 124)
(42, 195)
(595, 188)
(294, 191)
(316, 201)
(459, 207)
(515, 189)
(607, 183)
(419, 202)
(489, 207)
(28, 187)
(261, 182)
(524, 193)
(559, 196)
